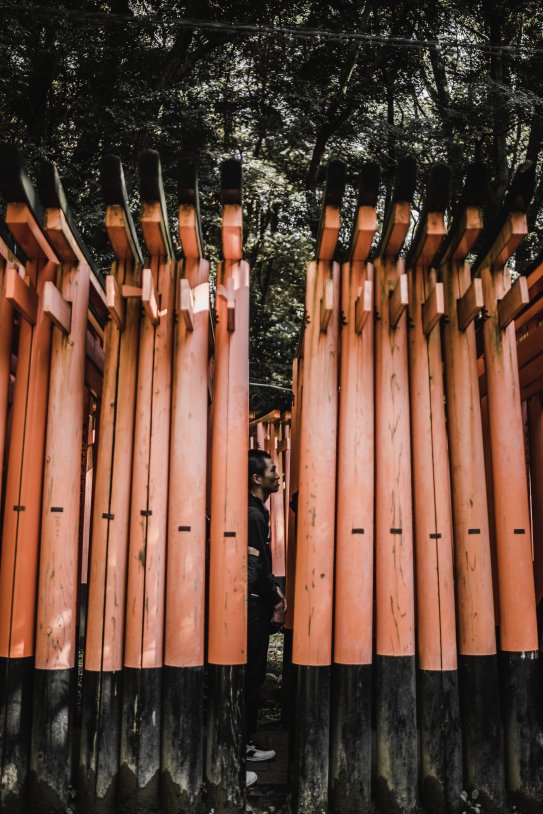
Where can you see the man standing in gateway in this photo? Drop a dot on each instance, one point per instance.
(266, 603)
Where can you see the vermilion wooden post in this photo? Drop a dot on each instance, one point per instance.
(277, 505)
(535, 426)
(288, 688)
(85, 509)
(396, 781)
(286, 447)
(145, 594)
(296, 423)
(479, 700)
(102, 680)
(23, 488)
(437, 677)
(350, 749)
(56, 619)
(287, 648)
(313, 608)
(6, 334)
(269, 442)
(183, 682)
(485, 423)
(227, 637)
(519, 662)
(210, 381)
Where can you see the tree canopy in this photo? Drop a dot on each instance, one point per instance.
(284, 86)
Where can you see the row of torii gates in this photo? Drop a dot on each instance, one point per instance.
(409, 530)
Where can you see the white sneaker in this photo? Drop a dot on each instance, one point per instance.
(257, 755)
(250, 779)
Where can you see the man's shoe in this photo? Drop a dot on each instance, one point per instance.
(250, 779)
(258, 755)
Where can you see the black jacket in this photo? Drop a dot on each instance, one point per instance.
(261, 580)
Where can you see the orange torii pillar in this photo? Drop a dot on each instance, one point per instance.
(485, 422)
(102, 679)
(260, 436)
(286, 445)
(24, 479)
(292, 508)
(9, 263)
(287, 650)
(482, 741)
(350, 748)
(227, 638)
(6, 333)
(183, 680)
(277, 506)
(139, 777)
(520, 665)
(85, 510)
(288, 687)
(533, 392)
(396, 781)
(313, 608)
(535, 427)
(56, 619)
(437, 674)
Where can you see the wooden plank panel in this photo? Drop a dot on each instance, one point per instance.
(22, 295)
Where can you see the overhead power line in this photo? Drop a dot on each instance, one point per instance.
(299, 32)
(271, 386)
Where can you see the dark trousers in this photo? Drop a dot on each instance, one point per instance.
(258, 638)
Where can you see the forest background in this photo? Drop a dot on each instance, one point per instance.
(285, 86)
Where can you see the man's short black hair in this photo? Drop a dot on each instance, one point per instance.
(257, 462)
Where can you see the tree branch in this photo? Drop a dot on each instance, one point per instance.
(337, 112)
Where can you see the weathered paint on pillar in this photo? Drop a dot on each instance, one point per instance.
(139, 778)
(102, 681)
(351, 735)
(535, 427)
(313, 601)
(6, 333)
(56, 616)
(24, 480)
(519, 663)
(183, 684)
(437, 676)
(227, 636)
(481, 723)
(396, 782)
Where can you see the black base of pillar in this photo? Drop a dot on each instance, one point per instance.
(100, 743)
(396, 722)
(311, 742)
(521, 679)
(50, 780)
(288, 695)
(16, 682)
(482, 735)
(350, 739)
(292, 702)
(182, 740)
(441, 741)
(139, 775)
(225, 746)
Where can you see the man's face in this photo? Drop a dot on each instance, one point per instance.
(270, 479)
